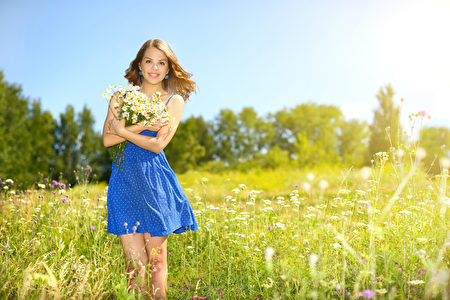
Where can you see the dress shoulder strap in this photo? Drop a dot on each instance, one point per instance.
(169, 99)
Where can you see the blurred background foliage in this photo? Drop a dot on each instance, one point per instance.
(34, 144)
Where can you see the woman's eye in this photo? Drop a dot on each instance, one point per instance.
(162, 63)
(147, 61)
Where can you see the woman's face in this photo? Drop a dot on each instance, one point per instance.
(154, 65)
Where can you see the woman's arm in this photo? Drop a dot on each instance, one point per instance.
(110, 138)
(162, 139)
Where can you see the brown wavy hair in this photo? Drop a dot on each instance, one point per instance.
(179, 81)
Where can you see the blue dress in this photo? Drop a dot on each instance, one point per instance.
(147, 196)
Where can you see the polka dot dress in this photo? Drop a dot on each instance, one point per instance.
(147, 196)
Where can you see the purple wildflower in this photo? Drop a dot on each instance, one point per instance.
(93, 227)
(89, 169)
(368, 294)
(65, 199)
(269, 227)
(54, 182)
(46, 179)
(62, 185)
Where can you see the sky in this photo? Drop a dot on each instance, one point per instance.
(269, 55)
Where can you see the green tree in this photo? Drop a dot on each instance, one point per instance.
(184, 150)
(41, 125)
(15, 147)
(226, 136)
(385, 130)
(353, 139)
(309, 128)
(67, 145)
(436, 142)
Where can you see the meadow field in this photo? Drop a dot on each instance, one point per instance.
(323, 233)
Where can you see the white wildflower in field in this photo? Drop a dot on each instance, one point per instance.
(420, 154)
(421, 252)
(212, 207)
(280, 202)
(41, 185)
(309, 216)
(405, 212)
(365, 173)
(360, 224)
(236, 191)
(415, 282)
(445, 163)
(102, 199)
(204, 179)
(266, 209)
(336, 245)
(242, 186)
(360, 192)
(190, 247)
(334, 218)
(267, 202)
(306, 186)
(310, 176)
(9, 181)
(188, 190)
(313, 258)
(323, 184)
(344, 191)
(250, 203)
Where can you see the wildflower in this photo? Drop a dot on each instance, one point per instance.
(242, 186)
(421, 252)
(65, 199)
(268, 202)
(89, 169)
(365, 173)
(93, 227)
(368, 294)
(445, 163)
(344, 191)
(54, 182)
(405, 212)
(41, 185)
(323, 184)
(336, 245)
(204, 180)
(420, 154)
(310, 176)
(313, 258)
(415, 282)
(306, 186)
(236, 191)
(9, 181)
(62, 185)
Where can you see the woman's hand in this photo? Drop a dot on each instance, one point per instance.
(139, 127)
(115, 126)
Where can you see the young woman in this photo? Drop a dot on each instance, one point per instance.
(145, 200)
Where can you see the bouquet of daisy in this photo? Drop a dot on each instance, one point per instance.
(136, 107)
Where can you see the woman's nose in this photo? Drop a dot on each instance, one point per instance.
(155, 66)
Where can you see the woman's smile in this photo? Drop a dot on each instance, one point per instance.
(153, 75)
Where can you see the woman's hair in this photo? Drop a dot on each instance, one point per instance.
(179, 81)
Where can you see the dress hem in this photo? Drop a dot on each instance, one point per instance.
(186, 228)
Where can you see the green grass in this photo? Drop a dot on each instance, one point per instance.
(337, 234)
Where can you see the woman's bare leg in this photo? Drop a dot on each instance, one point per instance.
(136, 257)
(156, 247)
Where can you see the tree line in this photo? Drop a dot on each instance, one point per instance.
(34, 144)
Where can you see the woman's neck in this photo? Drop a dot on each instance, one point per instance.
(149, 89)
